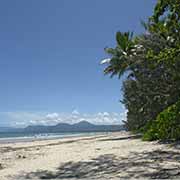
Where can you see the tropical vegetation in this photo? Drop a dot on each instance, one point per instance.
(150, 66)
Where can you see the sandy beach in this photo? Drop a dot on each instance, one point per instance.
(111, 156)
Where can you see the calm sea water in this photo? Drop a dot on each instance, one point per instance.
(33, 136)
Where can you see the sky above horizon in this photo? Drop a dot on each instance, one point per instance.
(49, 59)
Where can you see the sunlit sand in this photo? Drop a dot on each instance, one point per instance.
(111, 156)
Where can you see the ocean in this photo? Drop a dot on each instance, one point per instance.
(15, 137)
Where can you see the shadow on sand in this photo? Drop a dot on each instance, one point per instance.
(123, 138)
(138, 165)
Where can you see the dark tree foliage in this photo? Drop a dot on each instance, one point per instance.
(152, 62)
(151, 87)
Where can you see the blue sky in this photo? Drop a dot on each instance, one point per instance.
(50, 53)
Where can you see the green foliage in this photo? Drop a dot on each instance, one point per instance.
(124, 41)
(120, 54)
(150, 132)
(166, 126)
(167, 55)
(151, 87)
(151, 62)
(166, 18)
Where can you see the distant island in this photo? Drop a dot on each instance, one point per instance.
(82, 126)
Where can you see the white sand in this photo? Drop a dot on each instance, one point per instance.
(112, 156)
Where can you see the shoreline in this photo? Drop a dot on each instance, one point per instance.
(50, 136)
(111, 156)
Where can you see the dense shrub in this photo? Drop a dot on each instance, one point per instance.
(166, 126)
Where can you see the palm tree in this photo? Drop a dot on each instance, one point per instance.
(120, 56)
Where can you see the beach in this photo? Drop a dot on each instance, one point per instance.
(101, 156)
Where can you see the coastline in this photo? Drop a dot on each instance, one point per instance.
(111, 156)
(47, 136)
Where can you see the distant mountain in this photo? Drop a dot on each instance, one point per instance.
(83, 123)
(82, 126)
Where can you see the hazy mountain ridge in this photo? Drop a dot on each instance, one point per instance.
(82, 126)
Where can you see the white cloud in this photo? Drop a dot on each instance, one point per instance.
(22, 119)
(52, 116)
(106, 114)
(75, 112)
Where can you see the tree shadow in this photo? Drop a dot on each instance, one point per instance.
(137, 136)
(150, 165)
(175, 144)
